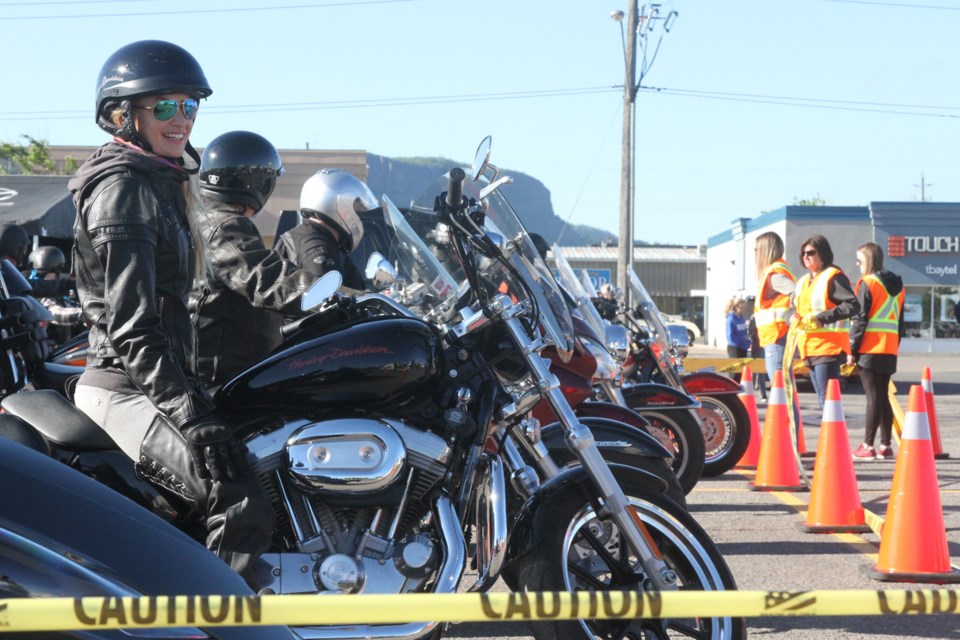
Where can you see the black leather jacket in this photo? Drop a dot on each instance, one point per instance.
(239, 311)
(134, 264)
(314, 249)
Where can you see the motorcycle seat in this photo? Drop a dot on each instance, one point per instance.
(57, 420)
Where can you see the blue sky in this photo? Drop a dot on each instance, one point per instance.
(759, 101)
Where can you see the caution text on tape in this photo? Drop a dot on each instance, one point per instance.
(60, 614)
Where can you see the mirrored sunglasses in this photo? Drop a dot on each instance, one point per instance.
(165, 110)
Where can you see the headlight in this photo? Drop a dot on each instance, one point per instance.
(618, 341)
(607, 367)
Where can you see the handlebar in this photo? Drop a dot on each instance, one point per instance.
(455, 192)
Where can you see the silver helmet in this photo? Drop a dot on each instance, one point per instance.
(336, 197)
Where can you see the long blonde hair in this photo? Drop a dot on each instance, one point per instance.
(769, 249)
(194, 204)
(191, 193)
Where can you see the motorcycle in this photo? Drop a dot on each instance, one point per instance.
(65, 535)
(666, 410)
(613, 427)
(385, 437)
(726, 423)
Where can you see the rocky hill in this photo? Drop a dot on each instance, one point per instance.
(404, 178)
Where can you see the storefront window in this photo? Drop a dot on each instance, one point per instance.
(916, 311)
(945, 323)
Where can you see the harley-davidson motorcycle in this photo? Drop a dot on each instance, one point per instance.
(726, 423)
(64, 535)
(665, 410)
(386, 430)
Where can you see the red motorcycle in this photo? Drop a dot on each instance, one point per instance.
(656, 357)
(591, 362)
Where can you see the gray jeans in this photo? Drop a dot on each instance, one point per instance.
(125, 417)
(238, 514)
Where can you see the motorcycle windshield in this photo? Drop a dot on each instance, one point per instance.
(576, 289)
(648, 311)
(501, 223)
(415, 258)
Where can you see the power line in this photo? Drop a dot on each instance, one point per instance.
(344, 3)
(810, 103)
(334, 104)
(897, 5)
(789, 101)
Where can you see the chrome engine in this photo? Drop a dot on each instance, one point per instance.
(351, 497)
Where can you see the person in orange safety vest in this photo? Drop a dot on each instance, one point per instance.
(874, 342)
(772, 306)
(825, 301)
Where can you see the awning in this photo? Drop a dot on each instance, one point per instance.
(42, 205)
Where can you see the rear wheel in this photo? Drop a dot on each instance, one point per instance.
(679, 432)
(584, 553)
(726, 432)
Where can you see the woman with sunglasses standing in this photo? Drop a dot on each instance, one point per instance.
(874, 342)
(826, 302)
(137, 254)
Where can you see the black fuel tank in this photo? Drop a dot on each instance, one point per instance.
(375, 364)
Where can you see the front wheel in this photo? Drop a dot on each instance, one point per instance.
(726, 432)
(680, 433)
(584, 553)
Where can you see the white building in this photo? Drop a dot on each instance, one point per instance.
(920, 240)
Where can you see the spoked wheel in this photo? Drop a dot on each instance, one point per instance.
(726, 432)
(588, 554)
(679, 432)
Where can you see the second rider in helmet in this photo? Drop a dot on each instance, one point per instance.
(237, 311)
(330, 203)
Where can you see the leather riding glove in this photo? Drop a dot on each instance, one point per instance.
(215, 451)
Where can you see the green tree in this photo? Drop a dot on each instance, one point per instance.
(815, 201)
(32, 158)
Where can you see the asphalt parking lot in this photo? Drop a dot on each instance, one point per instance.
(758, 535)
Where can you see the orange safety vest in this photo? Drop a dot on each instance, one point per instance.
(773, 315)
(882, 333)
(812, 297)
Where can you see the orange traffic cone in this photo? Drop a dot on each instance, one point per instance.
(749, 399)
(913, 541)
(801, 439)
(834, 498)
(927, 384)
(777, 468)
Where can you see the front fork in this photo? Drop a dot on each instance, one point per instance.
(581, 443)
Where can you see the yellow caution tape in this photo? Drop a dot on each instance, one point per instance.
(898, 416)
(874, 521)
(62, 614)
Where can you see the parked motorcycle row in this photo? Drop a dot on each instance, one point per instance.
(469, 413)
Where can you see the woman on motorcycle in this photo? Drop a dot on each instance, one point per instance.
(138, 254)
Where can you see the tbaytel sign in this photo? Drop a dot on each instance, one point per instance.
(916, 250)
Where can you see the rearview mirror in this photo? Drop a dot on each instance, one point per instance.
(380, 272)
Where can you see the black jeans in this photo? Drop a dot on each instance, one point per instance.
(879, 411)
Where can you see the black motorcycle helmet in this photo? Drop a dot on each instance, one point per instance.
(543, 247)
(143, 68)
(14, 242)
(240, 167)
(46, 259)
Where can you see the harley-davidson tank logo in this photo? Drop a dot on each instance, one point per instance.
(337, 353)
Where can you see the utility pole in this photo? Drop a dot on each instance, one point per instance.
(625, 253)
(923, 188)
(640, 24)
